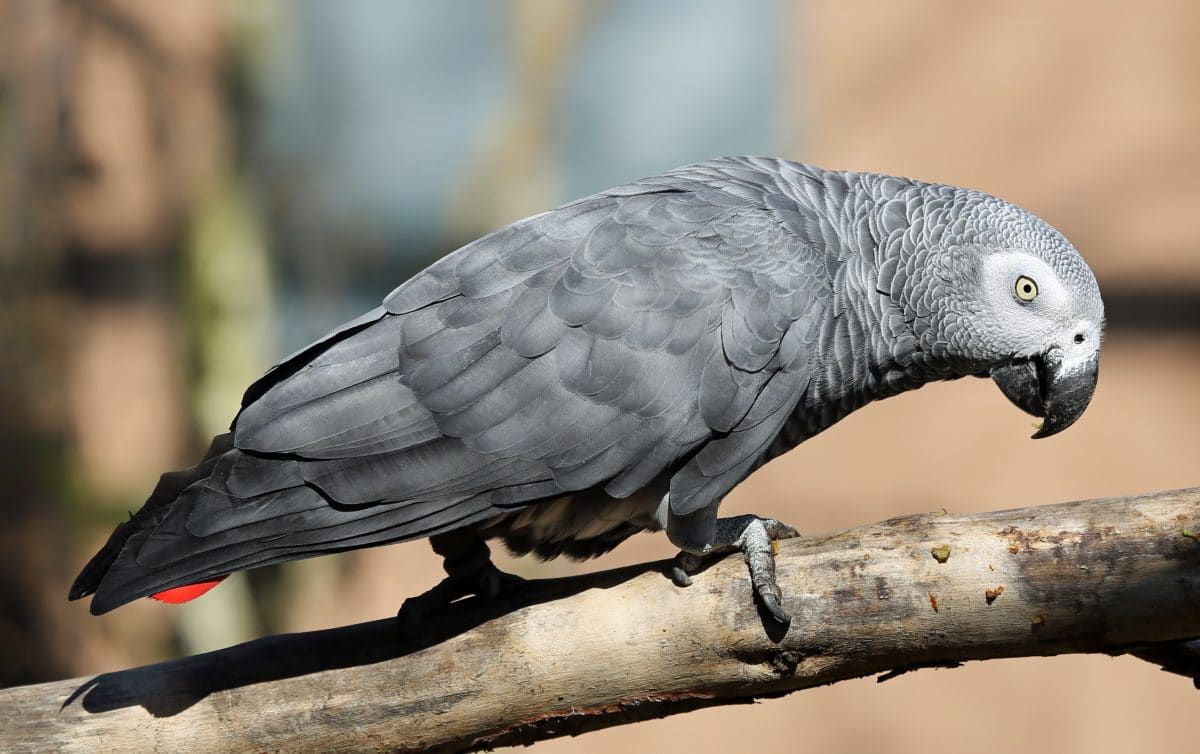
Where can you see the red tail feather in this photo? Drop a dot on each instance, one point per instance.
(186, 593)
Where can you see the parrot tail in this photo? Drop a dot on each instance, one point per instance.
(239, 509)
(169, 488)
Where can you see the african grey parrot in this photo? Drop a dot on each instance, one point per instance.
(618, 365)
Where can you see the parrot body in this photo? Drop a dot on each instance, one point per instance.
(618, 365)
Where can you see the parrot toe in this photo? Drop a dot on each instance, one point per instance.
(487, 583)
(685, 564)
(772, 604)
(470, 572)
(756, 538)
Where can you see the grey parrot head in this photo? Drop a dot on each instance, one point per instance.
(1021, 306)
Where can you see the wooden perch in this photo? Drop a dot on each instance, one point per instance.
(577, 654)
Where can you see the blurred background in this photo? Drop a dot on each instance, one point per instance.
(189, 190)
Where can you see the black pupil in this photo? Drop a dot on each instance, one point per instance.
(1026, 288)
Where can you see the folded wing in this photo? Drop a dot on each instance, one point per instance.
(604, 344)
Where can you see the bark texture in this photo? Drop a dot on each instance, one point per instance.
(571, 655)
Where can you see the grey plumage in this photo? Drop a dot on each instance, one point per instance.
(549, 383)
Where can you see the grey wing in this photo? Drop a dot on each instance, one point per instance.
(600, 345)
(603, 346)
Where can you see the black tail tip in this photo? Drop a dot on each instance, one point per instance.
(88, 580)
(166, 492)
(101, 602)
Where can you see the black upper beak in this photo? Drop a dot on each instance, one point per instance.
(1050, 386)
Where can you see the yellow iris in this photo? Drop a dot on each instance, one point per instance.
(1026, 289)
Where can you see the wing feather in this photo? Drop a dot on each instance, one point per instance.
(638, 334)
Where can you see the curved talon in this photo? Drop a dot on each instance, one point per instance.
(685, 564)
(771, 603)
(756, 538)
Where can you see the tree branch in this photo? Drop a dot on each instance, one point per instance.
(571, 655)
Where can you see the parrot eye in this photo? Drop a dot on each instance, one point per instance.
(1026, 289)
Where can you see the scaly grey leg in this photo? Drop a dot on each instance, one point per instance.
(755, 538)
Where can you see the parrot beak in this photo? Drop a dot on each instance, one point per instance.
(1050, 386)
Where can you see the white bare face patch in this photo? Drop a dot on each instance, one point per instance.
(1027, 306)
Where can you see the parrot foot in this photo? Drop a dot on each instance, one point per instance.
(755, 538)
(470, 573)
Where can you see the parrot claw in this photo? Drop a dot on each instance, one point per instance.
(756, 539)
(489, 583)
(771, 603)
(470, 573)
(685, 564)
